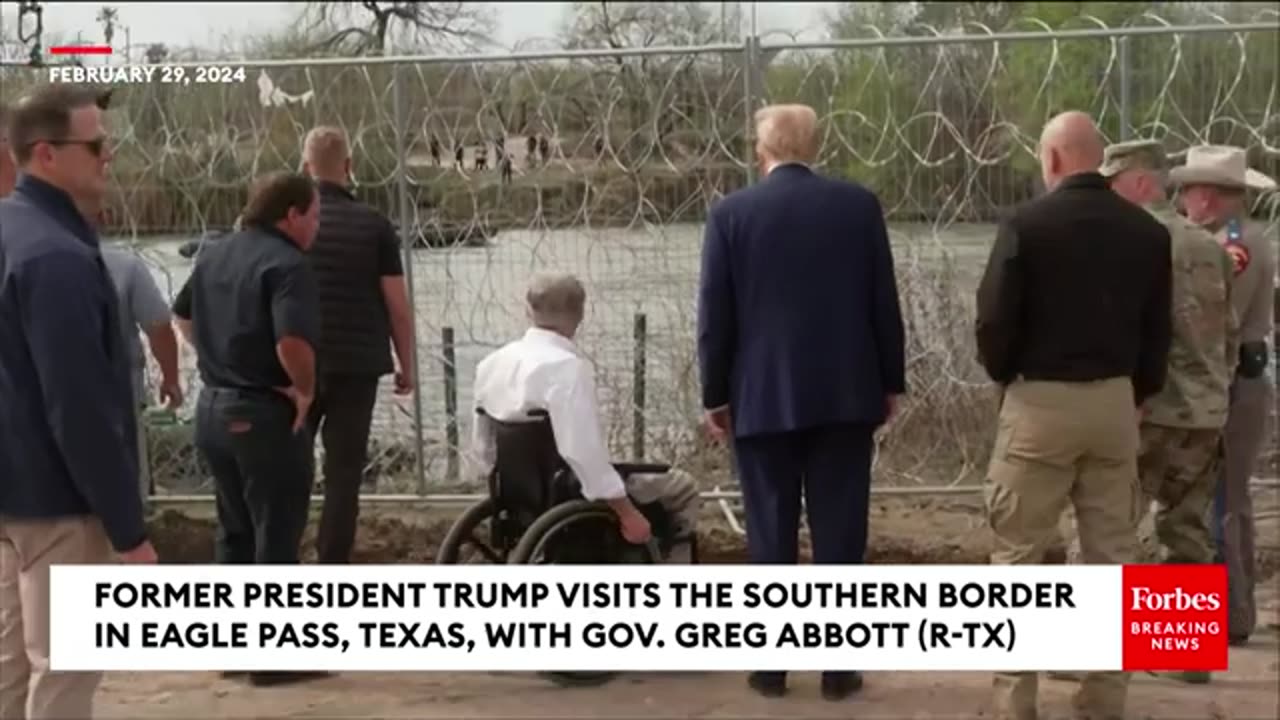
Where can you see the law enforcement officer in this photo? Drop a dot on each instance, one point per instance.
(1213, 185)
(1079, 346)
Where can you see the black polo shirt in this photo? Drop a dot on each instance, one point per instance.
(246, 293)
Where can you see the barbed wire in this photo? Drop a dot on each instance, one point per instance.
(605, 165)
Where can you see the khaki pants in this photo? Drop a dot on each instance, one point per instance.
(27, 548)
(1057, 445)
(678, 495)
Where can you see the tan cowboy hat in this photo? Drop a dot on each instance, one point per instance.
(1220, 165)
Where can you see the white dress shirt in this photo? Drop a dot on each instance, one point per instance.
(543, 371)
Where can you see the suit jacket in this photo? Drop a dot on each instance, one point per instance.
(799, 324)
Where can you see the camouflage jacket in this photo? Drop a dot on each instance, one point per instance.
(1206, 330)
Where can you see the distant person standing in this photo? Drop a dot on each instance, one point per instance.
(1213, 187)
(435, 150)
(364, 312)
(800, 374)
(531, 151)
(68, 449)
(544, 149)
(1075, 323)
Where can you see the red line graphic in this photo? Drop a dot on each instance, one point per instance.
(80, 50)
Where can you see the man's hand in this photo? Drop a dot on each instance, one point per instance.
(171, 393)
(404, 383)
(890, 407)
(719, 424)
(635, 526)
(144, 554)
(301, 405)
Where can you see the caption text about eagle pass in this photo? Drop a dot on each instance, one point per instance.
(467, 616)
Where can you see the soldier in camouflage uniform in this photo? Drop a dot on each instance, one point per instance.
(1213, 186)
(1182, 425)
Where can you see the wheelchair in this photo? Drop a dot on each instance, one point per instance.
(535, 514)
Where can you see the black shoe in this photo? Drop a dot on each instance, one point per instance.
(1237, 640)
(284, 677)
(232, 674)
(840, 685)
(768, 684)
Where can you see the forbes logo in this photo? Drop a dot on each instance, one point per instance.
(1145, 599)
(1175, 617)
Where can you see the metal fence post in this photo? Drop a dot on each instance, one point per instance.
(408, 239)
(1126, 118)
(640, 336)
(450, 402)
(146, 485)
(750, 53)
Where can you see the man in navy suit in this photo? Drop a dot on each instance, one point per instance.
(801, 352)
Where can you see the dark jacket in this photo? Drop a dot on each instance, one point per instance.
(355, 248)
(798, 318)
(1078, 288)
(68, 442)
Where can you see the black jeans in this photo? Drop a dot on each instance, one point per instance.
(262, 474)
(341, 414)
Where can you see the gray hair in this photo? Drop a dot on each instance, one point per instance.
(555, 299)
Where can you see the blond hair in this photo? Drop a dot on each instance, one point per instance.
(325, 150)
(787, 133)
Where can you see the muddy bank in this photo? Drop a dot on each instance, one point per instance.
(181, 539)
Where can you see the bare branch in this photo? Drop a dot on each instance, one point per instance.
(369, 27)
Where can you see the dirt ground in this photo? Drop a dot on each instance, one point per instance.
(941, 532)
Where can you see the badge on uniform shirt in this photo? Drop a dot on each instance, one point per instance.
(1235, 247)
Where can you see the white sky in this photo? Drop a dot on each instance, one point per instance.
(204, 24)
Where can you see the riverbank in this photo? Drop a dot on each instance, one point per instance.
(558, 196)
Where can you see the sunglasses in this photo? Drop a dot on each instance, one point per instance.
(95, 146)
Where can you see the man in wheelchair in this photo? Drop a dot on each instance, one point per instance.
(542, 371)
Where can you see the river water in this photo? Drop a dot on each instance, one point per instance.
(478, 292)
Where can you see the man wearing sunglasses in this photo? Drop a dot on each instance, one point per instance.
(68, 452)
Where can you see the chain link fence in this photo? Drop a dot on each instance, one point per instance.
(603, 162)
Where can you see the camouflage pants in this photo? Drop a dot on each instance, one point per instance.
(1178, 471)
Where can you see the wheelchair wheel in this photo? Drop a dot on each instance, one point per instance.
(537, 541)
(470, 531)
